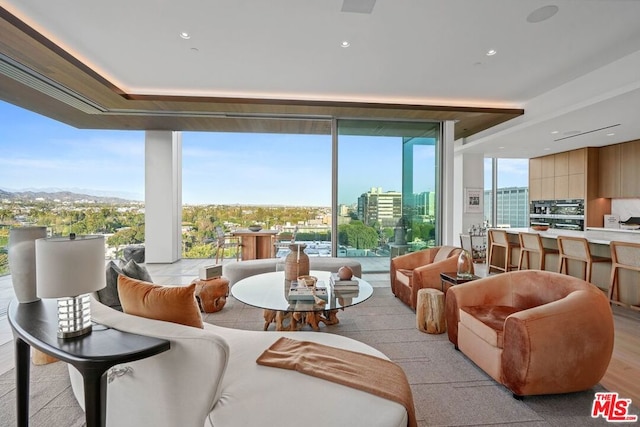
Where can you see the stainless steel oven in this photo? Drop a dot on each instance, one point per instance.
(561, 214)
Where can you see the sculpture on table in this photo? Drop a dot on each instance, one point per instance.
(465, 264)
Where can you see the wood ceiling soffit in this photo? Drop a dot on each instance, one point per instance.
(130, 111)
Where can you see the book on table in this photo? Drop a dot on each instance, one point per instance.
(346, 293)
(305, 293)
(337, 284)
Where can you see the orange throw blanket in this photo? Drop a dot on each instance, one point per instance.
(367, 373)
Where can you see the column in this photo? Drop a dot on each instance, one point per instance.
(163, 196)
(448, 219)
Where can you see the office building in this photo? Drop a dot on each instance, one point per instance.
(512, 206)
(378, 207)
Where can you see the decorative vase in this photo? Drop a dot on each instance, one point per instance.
(465, 266)
(296, 263)
(22, 261)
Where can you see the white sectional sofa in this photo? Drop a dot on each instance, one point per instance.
(210, 377)
(236, 271)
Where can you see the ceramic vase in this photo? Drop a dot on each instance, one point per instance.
(22, 261)
(465, 267)
(296, 263)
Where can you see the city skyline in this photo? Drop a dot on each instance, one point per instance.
(39, 153)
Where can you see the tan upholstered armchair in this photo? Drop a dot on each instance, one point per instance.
(418, 270)
(535, 332)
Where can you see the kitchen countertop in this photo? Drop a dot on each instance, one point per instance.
(600, 236)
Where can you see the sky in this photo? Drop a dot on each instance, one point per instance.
(38, 153)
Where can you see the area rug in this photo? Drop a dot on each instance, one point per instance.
(448, 389)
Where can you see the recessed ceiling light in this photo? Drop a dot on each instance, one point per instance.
(491, 52)
(542, 14)
(501, 148)
(185, 35)
(345, 43)
(553, 132)
(610, 134)
(547, 149)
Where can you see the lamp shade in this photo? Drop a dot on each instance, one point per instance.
(69, 266)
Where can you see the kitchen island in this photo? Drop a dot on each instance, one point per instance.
(599, 236)
(599, 240)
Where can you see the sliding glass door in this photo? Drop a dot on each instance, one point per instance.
(387, 187)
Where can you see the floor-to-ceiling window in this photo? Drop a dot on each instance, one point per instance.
(279, 181)
(387, 187)
(507, 196)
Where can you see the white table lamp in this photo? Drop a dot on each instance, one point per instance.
(69, 268)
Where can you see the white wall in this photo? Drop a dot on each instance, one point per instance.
(163, 196)
(625, 208)
(468, 170)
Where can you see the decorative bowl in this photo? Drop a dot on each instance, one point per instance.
(255, 227)
(540, 227)
(309, 281)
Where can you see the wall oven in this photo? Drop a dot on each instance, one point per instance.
(561, 214)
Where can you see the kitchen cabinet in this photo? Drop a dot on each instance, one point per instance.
(561, 187)
(535, 168)
(609, 171)
(577, 161)
(619, 174)
(561, 165)
(547, 186)
(629, 169)
(571, 175)
(535, 189)
(548, 166)
(558, 176)
(576, 188)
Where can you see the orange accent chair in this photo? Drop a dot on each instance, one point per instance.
(535, 332)
(418, 270)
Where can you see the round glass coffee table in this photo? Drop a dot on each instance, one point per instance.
(269, 291)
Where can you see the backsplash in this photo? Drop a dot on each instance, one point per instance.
(625, 208)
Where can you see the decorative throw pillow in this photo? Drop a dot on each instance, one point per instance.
(171, 304)
(136, 271)
(109, 294)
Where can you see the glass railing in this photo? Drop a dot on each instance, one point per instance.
(4, 246)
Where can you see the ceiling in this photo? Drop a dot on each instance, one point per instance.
(278, 66)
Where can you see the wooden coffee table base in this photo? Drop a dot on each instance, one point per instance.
(297, 319)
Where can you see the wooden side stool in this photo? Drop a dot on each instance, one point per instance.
(430, 311)
(39, 358)
(212, 294)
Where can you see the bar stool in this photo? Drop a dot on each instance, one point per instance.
(532, 243)
(627, 256)
(577, 248)
(499, 239)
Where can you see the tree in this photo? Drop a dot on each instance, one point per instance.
(126, 236)
(200, 251)
(358, 235)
